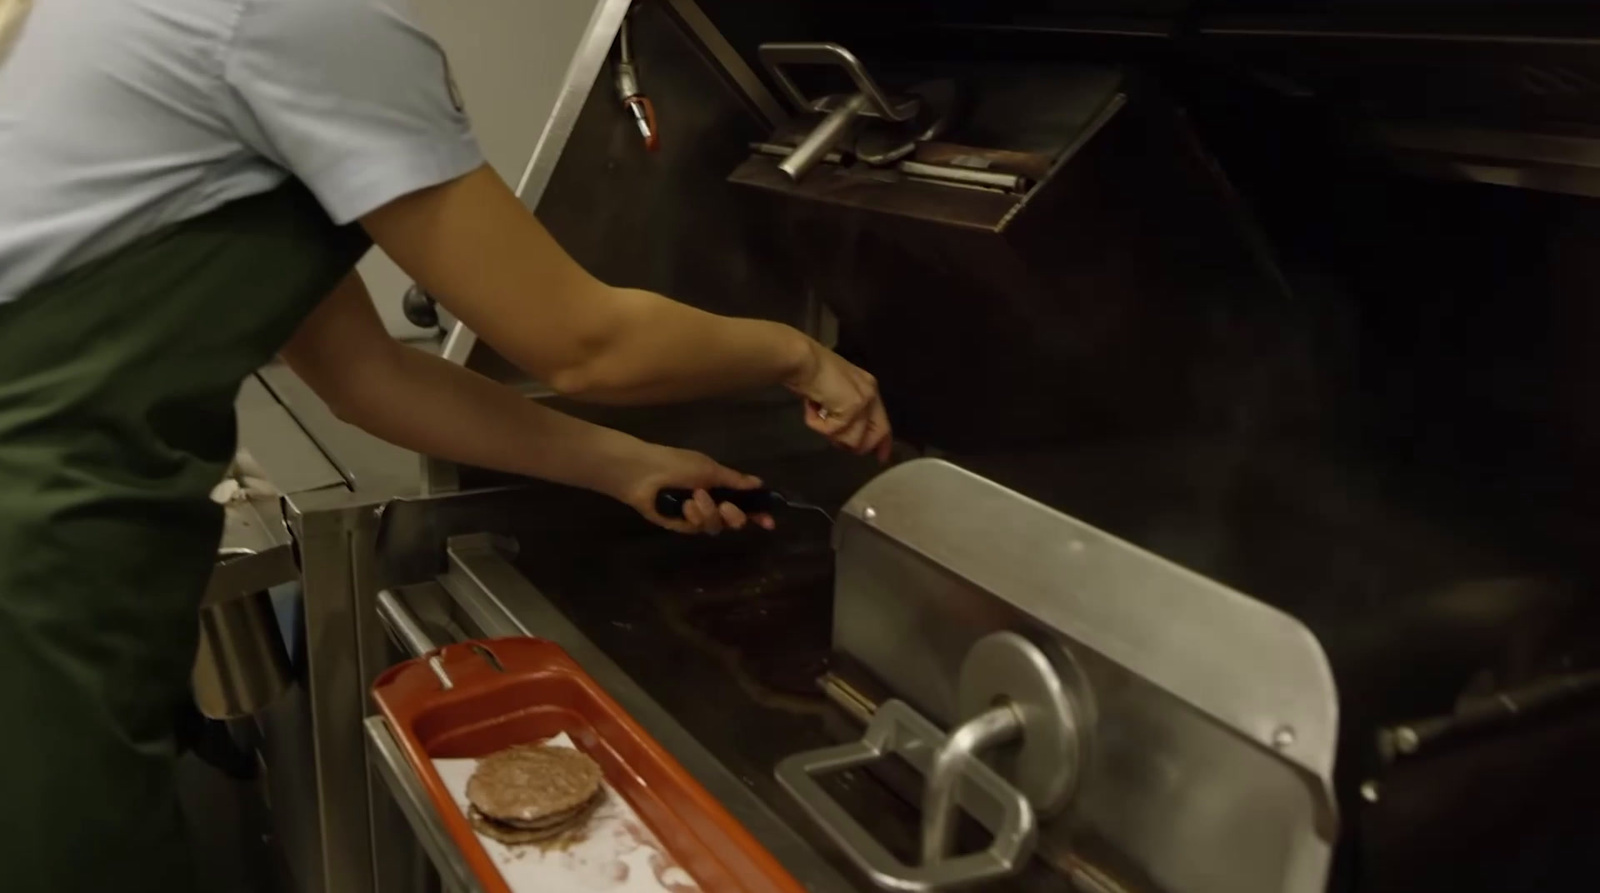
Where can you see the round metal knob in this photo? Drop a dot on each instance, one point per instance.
(1052, 701)
(419, 308)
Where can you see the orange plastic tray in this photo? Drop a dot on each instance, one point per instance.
(538, 693)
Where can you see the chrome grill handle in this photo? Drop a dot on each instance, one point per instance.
(898, 730)
(993, 727)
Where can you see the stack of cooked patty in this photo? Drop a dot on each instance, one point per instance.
(532, 793)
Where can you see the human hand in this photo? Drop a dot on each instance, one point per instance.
(842, 403)
(655, 468)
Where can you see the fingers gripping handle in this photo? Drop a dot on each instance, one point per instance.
(670, 501)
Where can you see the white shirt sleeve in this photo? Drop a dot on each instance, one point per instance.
(350, 96)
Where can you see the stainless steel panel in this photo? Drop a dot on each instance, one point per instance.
(288, 759)
(346, 648)
(278, 444)
(363, 462)
(242, 665)
(342, 855)
(1217, 715)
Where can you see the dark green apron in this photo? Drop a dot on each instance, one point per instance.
(117, 384)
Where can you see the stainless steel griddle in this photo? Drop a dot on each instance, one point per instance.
(1241, 355)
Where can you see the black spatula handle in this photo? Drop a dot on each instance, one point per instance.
(670, 501)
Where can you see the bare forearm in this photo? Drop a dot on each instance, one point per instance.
(419, 401)
(440, 409)
(474, 245)
(662, 351)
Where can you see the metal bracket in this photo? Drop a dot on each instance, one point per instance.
(898, 730)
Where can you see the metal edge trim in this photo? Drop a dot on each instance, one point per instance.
(1097, 124)
(419, 811)
(317, 443)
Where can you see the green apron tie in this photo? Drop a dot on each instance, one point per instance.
(117, 384)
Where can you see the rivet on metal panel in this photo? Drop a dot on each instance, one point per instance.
(1406, 740)
(1283, 737)
(1369, 791)
(870, 514)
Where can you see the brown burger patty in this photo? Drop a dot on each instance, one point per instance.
(531, 787)
(513, 835)
(559, 818)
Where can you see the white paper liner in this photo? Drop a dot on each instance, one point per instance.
(616, 852)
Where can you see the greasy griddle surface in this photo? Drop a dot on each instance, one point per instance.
(745, 615)
(730, 634)
(709, 625)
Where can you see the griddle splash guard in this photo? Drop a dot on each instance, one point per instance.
(1163, 731)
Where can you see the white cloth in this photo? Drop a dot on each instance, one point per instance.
(120, 117)
(245, 480)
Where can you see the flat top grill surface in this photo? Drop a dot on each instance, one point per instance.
(730, 635)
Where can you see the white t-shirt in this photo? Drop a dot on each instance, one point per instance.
(120, 117)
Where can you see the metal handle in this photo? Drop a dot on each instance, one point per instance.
(898, 730)
(820, 141)
(993, 727)
(410, 636)
(777, 55)
(868, 99)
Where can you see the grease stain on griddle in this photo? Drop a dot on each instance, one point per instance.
(766, 618)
